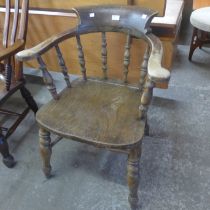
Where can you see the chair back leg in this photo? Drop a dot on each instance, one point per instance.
(29, 99)
(8, 159)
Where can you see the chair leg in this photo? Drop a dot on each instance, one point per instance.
(8, 159)
(195, 42)
(133, 176)
(146, 129)
(29, 99)
(45, 150)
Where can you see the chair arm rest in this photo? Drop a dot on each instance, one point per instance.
(44, 46)
(12, 50)
(155, 70)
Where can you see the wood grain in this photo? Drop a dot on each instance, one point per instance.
(38, 32)
(95, 112)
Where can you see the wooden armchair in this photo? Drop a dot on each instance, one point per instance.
(101, 112)
(11, 77)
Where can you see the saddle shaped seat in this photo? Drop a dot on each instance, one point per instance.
(97, 112)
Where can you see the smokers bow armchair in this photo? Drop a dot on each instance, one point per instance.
(11, 75)
(101, 112)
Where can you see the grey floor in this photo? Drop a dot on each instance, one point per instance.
(175, 164)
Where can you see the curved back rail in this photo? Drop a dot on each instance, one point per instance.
(130, 20)
(115, 18)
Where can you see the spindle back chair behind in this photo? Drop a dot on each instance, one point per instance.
(11, 71)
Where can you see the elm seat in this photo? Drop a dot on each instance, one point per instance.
(107, 114)
(200, 20)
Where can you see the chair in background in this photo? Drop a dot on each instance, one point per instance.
(200, 20)
(11, 75)
(101, 112)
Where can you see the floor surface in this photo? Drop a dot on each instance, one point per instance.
(175, 163)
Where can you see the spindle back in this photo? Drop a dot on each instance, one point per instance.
(133, 21)
(130, 20)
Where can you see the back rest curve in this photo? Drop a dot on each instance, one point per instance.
(129, 19)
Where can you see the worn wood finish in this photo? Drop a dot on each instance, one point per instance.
(99, 113)
(48, 80)
(102, 112)
(166, 28)
(63, 66)
(81, 57)
(143, 69)
(87, 26)
(133, 176)
(45, 150)
(11, 80)
(127, 57)
(146, 98)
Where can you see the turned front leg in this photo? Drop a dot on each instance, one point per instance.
(45, 150)
(133, 176)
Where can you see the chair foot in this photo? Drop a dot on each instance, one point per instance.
(8, 159)
(45, 151)
(133, 177)
(29, 99)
